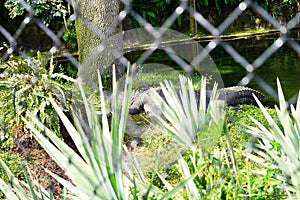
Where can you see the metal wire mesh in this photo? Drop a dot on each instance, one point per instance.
(158, 33)
(155, 35)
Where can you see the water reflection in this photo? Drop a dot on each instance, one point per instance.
(284, 63)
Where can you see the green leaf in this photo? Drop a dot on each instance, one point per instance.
(179, 20)
(7, 190)
(151, 14)
(32, 190)
(279, 144)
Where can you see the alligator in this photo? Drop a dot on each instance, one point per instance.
(142, 101)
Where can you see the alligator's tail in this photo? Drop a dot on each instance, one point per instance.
(241, 95)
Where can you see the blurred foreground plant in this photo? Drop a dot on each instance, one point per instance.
(97, 171)
(278, 144)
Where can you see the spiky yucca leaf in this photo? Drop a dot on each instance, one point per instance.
(97, 172)
(14, 190)
(280, 144)
(184, 119)
(190, 121)
(7, 189)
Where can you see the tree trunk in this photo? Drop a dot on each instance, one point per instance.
(192, 19)
(95, 24)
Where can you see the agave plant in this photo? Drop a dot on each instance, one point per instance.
(195, 124)
(185, 117)
(279, 143)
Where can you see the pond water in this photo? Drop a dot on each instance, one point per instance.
(284, 63)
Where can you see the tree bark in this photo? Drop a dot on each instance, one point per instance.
(192, 19)
(97, 35)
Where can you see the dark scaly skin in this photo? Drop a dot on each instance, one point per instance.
(236, 95)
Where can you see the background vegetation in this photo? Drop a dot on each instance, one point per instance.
(55, 14)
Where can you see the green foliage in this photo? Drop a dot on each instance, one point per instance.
(13, 162)
(155, 11)
(47, 10)
(217, 3)
(231, 1)
(96, 171)
(52, 13)
(154, 77)
(218, 7)
(279, 144)
(26, 85)
(206, 170)
(238, 120)
(290, 1)
(220, 173)
(217, 179)
(280, 8)
(69, 36)
(97, 164)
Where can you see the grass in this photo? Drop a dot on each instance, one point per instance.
(238, 120)
(153, 78)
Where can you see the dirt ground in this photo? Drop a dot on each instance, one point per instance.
(38, 160)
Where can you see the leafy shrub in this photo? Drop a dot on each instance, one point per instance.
(70, 37)
(26, 85)
(154, 11)
(47, 10)
(52, 13)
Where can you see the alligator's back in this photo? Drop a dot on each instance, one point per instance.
(232, 95)
(241, 95)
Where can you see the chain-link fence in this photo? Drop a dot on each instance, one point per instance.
(184, 52)
(217, 40)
